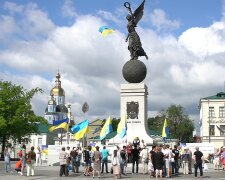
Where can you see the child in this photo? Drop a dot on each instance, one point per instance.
(18, 166)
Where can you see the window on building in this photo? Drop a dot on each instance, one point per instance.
(212, 130)
(223, 128)
(39, 142)
(211, 112)
(222, 111)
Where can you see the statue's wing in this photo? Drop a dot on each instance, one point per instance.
(138, 13)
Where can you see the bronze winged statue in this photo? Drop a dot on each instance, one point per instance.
(134, 42)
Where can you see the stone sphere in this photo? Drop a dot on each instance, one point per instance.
(134, 71)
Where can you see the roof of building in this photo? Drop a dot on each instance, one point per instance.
(42, 128)
(220, 95)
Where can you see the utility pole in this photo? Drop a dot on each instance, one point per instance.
(209, 123)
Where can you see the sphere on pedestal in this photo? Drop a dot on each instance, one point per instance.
(134, 71)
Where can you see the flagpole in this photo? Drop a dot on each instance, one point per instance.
(69, 117)
(85, 108)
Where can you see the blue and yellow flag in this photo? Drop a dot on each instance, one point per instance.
(105, 30)
(57, 124)
(80, 129)
(106, 129)
(165, 131)
(122, 127)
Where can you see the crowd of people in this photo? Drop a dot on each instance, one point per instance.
(160, 161)
(26, 159)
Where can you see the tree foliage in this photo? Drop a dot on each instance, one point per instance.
(180, 125)
(17, 119)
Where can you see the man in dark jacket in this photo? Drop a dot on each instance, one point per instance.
(135, 159)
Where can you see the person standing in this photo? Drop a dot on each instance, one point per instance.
(105, 154)
(216, 159)
(87, 161)
(73, 155)
(223, 158)
(129, 149)
(135, 158)
(175, 165)
(22, 156)
(96, 158)
(159, 162)
(31, 156)
(123, 163)
(7, 160)
(185, 161)
(144, 159)
(116, 164)
(38, 156)
(63, 162)
(198, 161)
(152, 160)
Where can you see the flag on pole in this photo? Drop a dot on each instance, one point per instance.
(165, 131)
(105, 30)
(80, 129)
(57, 124)
(122, 127)
(107, 128)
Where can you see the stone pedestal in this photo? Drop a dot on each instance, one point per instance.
(134, 99)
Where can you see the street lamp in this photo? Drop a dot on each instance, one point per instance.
(209, 123)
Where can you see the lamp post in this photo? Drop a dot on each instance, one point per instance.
(209, 123)
(85, 109)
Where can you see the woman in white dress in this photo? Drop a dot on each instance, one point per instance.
(116, 164)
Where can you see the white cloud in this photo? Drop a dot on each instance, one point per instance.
(110, 17)
(68, 9)
(180, 71)
(205, 41)
(160, 20)
(13, 7)
(7, 27)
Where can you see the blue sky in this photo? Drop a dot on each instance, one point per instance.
(184, 40)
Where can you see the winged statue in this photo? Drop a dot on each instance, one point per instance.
(134, 42)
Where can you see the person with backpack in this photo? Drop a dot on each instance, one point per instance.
(87, 161)
(31, 156)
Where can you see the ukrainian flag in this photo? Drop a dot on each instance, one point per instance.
(165, 131)
(122, 127)
(57, 124)
(80, 129)
(107, 128)
(105, 30)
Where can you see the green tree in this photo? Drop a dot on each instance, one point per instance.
(17, 119)
(180, 125)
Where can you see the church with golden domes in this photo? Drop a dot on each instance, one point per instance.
(56, 108)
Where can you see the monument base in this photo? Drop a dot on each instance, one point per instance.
(134, 104)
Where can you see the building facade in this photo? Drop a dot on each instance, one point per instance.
(212, 119)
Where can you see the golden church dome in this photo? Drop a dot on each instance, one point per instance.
(57, 90)
(52, 101)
